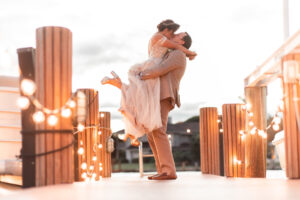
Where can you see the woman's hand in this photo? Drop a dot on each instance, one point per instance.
(192, 55)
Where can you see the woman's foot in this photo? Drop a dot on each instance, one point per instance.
(105, 80)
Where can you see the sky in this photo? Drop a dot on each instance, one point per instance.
(231, 39)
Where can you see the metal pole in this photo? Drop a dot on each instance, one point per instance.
(286, 27)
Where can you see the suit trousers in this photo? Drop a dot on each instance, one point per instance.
(159, 142)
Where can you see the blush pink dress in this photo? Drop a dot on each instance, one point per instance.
(140, 100)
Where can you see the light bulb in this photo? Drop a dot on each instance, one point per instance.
(241, 132)
(71, 104)
(102, 115)
(28, 87)
(92, 167)
(243, 137)
(66, 112)
(94, 176)
(188, 130)
(100, 168)
(248, 106)
(83, 175)
(80, 127)
(83, 166)
(261, 132)
(253, 131)
(94, 158)
(244, 107)
(100, 164)
(38, 117)
(275, 127)
(99, 132)
(236, 161)
(251, 123)
(100, 146)
(23, 102)
(52, 120)
(277, 120)
(80, 151)
(264, 135)
(221, 130)
(250, 114)
(218, 121)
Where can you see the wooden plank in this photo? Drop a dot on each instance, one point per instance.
(56, 85)
(225, 140)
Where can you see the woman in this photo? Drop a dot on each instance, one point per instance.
(140, 101)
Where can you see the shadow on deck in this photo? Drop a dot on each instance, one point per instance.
(189, 185)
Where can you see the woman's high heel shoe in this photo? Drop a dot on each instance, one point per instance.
(105, 80)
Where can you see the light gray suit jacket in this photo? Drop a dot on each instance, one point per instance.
(170, 71)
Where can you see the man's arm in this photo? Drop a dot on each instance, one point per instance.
(176, 59)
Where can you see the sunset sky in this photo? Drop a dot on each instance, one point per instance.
(231, 38)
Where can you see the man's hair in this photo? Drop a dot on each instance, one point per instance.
(187, 41)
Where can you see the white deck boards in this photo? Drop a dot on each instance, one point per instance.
(189, 185)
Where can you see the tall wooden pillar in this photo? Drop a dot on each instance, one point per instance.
(256, 145)
(209, 141)
(291, 90)
(234, 142)
(27, 64)
(105, 155)
(88, 160)
(54, 87)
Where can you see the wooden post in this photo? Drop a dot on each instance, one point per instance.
(53, 79)
(209, 141)
(291, 90)
(104, 120)
(256, 145)
(27, 64)
(221, 144)
(89, 161)
(234, 143)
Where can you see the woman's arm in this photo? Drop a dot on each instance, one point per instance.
(172, 45)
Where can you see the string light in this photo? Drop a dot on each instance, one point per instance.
(80, 127)
(83, 166)
(80, 151)
(253, 131)
(188, 130)
(251, 123)
(28, 87)
(102, 115)
(66, 112)
(99, 132)
(275, 127)
(84, 175)
(100, 146)
(221, 130)
(94, 158)
(92, 167)
(38, 117)
(52, 120)
(236, 161)
(71, 104)
(23, 102)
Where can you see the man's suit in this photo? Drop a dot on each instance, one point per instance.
(170, 71)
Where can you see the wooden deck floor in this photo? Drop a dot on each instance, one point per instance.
(189, 185)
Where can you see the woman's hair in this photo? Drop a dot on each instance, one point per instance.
(169, 24)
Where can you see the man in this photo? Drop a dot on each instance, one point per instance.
(170, 71)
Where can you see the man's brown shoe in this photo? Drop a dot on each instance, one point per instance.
(163, 176)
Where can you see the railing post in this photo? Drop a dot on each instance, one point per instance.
(53, 77)
(209, 141)
(234, 142)
(27, 64)
(87, 149)
(105, 141)
(291, 114)
(255, 144)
